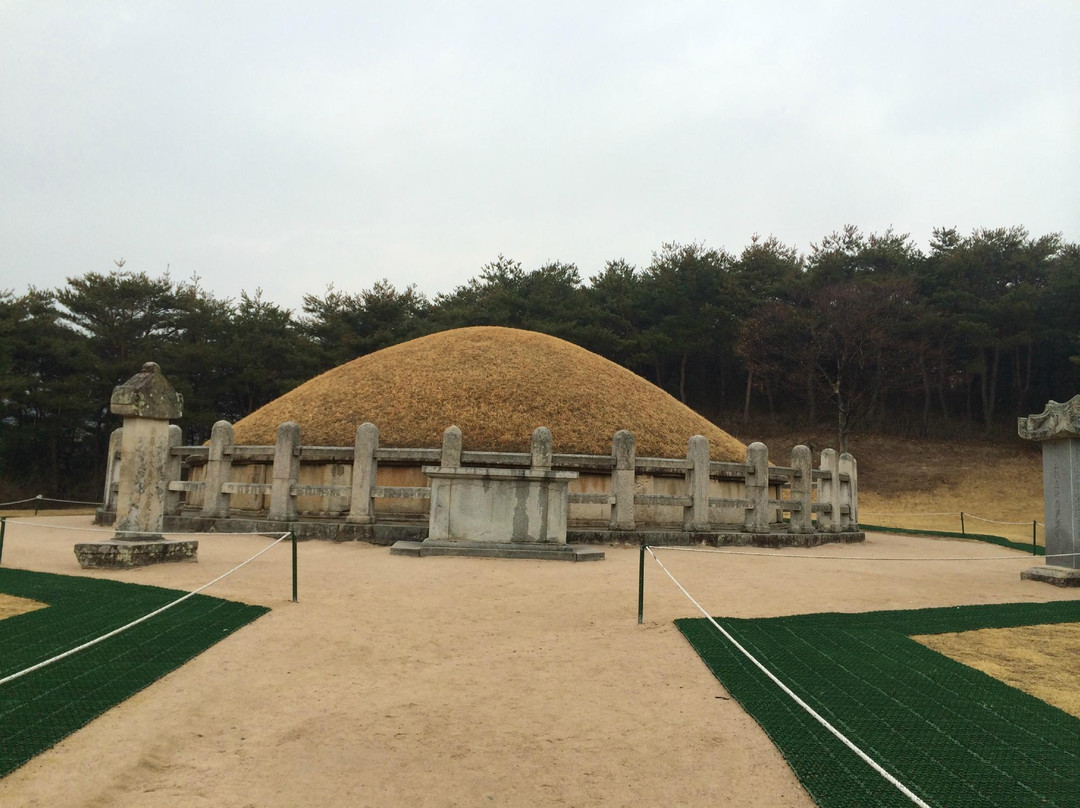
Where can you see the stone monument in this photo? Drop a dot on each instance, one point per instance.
(1058, 429)
(147, 403)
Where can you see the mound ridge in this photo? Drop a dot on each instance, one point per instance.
(497, 384)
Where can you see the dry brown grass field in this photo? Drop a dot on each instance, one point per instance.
(902, 479)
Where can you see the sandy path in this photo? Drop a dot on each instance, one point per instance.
(464, 682)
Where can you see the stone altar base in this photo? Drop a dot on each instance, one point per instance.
(487, 549)
(121, 554)
(1058, 576)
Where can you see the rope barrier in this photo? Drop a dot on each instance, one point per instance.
(142, 619)
(920, 513)
(947, 513)
(810, 710)
(17, 502)
(995, 521)
(1026, 558)
(18, 521)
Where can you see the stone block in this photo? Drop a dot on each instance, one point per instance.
(125, 554)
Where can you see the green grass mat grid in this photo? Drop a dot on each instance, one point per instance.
(43, 707)
(950, 733)
(1000, 541)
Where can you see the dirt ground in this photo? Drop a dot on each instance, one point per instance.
(465, 682)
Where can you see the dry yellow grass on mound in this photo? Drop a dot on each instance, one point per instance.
(1039, 660)
(497, 385)
(11, 606)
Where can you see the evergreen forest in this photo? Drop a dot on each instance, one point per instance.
(865, 332)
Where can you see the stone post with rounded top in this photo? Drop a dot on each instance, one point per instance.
(1057, 428)
(622, 480)
(365, 472)
(757, 489)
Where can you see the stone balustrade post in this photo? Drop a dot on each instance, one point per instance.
(622, 480)
(451, 448)
(802, 488)
(829, 492)
(541, 447)
(365, 474)
(696, 515)
(286, 471)
(757, 488)
(849, 493)
(173, 466)
(216, 503)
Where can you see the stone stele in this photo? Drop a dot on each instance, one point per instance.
(147, 402)
(1058, 429)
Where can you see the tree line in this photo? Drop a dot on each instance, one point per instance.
(864, 331)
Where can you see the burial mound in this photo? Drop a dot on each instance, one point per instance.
(497, 384)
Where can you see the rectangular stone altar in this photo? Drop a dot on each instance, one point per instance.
(498, 512)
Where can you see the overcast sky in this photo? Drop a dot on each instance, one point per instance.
(261, 145)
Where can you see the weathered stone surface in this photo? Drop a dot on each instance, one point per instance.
(542, 451)
(365, 472)
(1058, 420)
(126, 554)
(757, 489)
(622, 480)
(286, 469)
(143, 483)
(1058, 429)
(696, 517)
(1058, 576)
(542, 552)
(147, 394)
(498, 505)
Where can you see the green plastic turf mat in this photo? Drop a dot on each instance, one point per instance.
(41, 708)
(1000, 541)
(950, 733)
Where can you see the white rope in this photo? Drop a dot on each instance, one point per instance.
(945, 513)
(17, 502)
(813, 713)
(920, 513)
(20, 521)
(995, 521)
(142, 619)
(66, 501)
(1020, 555)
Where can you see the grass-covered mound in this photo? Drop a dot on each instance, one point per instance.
(497, 385)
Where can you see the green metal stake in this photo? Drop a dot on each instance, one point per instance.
(37, 504)
(3, 527)
(641, 586)
(962, 523)
(293, 534)
(1034, 541)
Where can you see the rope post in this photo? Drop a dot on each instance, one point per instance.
(962, 531)
(641, 585)
(3, 527)
(37, 504)
(1034, 541)
(292, 534)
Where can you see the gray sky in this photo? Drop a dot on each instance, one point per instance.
(274, 145)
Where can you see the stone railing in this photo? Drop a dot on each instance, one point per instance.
(365, 485)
